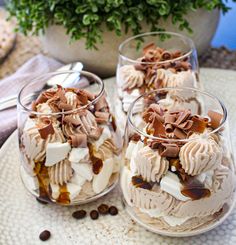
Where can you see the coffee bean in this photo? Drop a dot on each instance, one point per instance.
(41, 201)
(113, 210)
(103, 209)
(94, 214)
(44, 235)
(80, 214)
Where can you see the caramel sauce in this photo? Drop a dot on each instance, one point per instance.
(41, 172)
(192, 187)
(96, 162)
(138, 181)
(64, 196)
(43, 180)
(113, 123)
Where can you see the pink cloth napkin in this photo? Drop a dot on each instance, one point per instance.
(11, 85)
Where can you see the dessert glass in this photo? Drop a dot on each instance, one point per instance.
(178, 177)
(68, 139)
(150, 61)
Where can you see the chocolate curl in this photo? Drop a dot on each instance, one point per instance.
(180, 134)
(186, 125)
(33, 105)
(61, 95)
(83, 98)
(101, 104)
(90, 95)
(215, 119)
(148, 47)
(156, 108)
(176, 54)
(46, 129)
(170, 150)
(102, 117)
(166, 55)
(199, 124)
(64, 106)
(41, 99)
(158, 127)
(183, 115)
(71, 120)
(78, 140)
(169, 118)
(96, 133)
(169, 128)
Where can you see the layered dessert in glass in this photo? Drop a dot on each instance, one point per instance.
(178, 173)
(152, 61)
(68, 139)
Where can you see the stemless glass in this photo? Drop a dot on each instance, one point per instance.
(150, 61)
(69, 144)
(178, 177)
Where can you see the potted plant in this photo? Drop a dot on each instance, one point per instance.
(91, 31)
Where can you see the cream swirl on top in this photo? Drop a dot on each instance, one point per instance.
(150, 165)
(200, 155)
(131, 77)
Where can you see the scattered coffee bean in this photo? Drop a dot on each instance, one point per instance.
(103, 209)
(113, 210)
(80, 214)
(44, 235)
(41, 201)
(94, 214)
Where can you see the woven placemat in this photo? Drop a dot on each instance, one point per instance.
(27, 47)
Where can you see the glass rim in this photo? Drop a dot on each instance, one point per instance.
(100, 94)
(180, 36)
(142, 133)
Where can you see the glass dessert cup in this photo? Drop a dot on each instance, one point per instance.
(178, 175)
(151, 61)
(68, 140)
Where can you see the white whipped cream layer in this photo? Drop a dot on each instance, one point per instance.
(169, 219)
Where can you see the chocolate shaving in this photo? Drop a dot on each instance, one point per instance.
(83, 98)
(158, 127)
(180, 134)
(46, 129)
(33, 106)
(215, 119)
(71, 120)
(183, 115)
(64, 106)
(199, 124)
(61, 95)
(186, 125)
(41, 99)
(96, 133)
(78, 140)
(102, 117)
(101, 104)
(169, 128)
(90, 95)
(148, 47)
(169, 118)
(170, 150)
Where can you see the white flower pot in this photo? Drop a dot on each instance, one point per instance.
(103, 62)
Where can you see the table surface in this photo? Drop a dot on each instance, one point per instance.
(22, 218)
